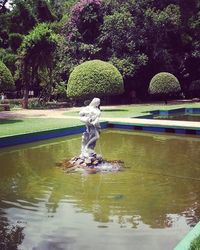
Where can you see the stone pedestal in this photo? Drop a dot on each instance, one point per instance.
(91, 165)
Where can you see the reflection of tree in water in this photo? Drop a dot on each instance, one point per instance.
(25, 175)
(159, 200)
(26, 170)
(129, 206)
(129, 197)
(10, 236)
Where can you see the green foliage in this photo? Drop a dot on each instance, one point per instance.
(127, 66)
(194, 89)
(61, 8)
(195, 245)
(169, 15)
(15, 40)
(194, 24)
(6, 79)
(9, 59)
(22, 17)
(139, 37)
(36, 55)
(124, 65)
(39, 44)
(164, 84)
(116, 31)
(43, 11)
(94, 78)
(60, 91)
(118, 41)
(4, 30)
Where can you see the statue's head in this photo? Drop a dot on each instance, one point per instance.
(95, 103)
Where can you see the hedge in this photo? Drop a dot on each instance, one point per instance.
(94, 78)
(6, 78)
(164, 84)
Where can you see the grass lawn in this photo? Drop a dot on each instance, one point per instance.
(135, 110)
(195, 245)
(26, 125)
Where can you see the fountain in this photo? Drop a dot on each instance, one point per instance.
(89, 160)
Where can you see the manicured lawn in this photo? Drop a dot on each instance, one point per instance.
(135, 110)
(27, 125)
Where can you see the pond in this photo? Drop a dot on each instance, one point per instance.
(150, 205)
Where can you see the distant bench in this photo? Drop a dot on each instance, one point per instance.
(4, 107)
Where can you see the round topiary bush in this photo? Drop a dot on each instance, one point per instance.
(94, 78)
(6, 78)
(164, 85)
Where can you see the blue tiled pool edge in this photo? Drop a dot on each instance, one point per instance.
(43, 135)
(152, 113)
(156, 128)
(55, 133)
(184, 244)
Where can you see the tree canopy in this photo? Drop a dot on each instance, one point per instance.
(139, 37)
(36, 52)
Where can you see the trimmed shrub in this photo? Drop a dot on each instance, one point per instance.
(94, 78)
(164, 85)
(6, 78)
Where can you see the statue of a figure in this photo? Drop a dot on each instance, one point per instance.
(88, 161)
(90, 116)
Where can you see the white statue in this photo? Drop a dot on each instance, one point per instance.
(90, 116)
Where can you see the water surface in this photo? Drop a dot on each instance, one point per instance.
(151, 205)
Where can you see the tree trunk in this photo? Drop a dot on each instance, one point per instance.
(26, 87)
(50, 81)
(25, 98)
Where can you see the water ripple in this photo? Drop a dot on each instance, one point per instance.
(28, 206)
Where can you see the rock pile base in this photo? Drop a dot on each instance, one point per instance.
(90, 165)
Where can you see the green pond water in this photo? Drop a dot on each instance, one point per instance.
(181, 117)
(150, 205)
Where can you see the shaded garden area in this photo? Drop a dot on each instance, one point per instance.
(42, 42)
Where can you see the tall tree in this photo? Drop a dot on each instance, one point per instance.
(36, 53)
(22, 17)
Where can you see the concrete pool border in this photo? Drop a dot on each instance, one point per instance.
(161, 127)
(160, 112)
(155, 126)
